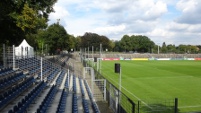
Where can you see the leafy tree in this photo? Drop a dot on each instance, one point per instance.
(77, 41)
(136, 43)
(112, 44)
(171, 48)
(56, 38)
(199, 48)
(182, 48)
(93, 39)
(71, 43)
(21, 18)
(156, 49)
(117, 46)
(164, 48)
(126, 43)
(192, 49)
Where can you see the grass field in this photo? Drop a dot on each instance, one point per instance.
(159, 80)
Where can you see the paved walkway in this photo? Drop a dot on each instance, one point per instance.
(78, 70)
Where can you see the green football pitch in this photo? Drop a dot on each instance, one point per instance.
(159, 80)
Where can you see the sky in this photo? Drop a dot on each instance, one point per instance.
(170, 21)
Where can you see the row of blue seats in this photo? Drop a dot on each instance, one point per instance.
(85, 105)
(47, 101)
(2, 70)
(74, 84)
(84, 101)
(33, 65)
(66, 85)
(14, 92)
(94, 105)
(62, 103)
(22, 106)
(44, 72)
(81, 87)
(10, 76)
(74, 103)
(26, 64)
(60, 78)
(11, 79)
(52, 75)
(34, 70)
(6, 71)
(23, 63)
(74, 99)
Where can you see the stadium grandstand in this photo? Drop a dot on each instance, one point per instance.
(50, 84)
(65, 83)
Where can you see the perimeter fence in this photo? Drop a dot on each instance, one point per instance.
(120, 102)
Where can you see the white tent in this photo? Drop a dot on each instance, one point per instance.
(24, 50)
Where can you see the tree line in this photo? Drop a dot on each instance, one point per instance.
(27, 19)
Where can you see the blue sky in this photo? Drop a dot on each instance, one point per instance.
(171, 21)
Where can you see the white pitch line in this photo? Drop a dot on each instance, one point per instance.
(190, 106)
(137, 98)
(163, 77)
(133, 95)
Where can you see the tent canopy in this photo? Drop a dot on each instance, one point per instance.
(24, 50)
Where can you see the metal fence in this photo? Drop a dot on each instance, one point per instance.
(158, 106)
(119, 102)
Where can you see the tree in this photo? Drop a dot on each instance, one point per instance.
(21, 18)
(56, 38)
(171, 48)
(117, 46)
(126, 43)
(137, 43)
(112, 45)
(164, 48)
(71, 43)
(77, 41)
(93, 39)
(192, 49)
(182, 49)
(27, 20)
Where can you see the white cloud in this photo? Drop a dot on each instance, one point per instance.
(110, 29)
(190, 11)
(156, 10)
(115, 18)
(60, 13)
